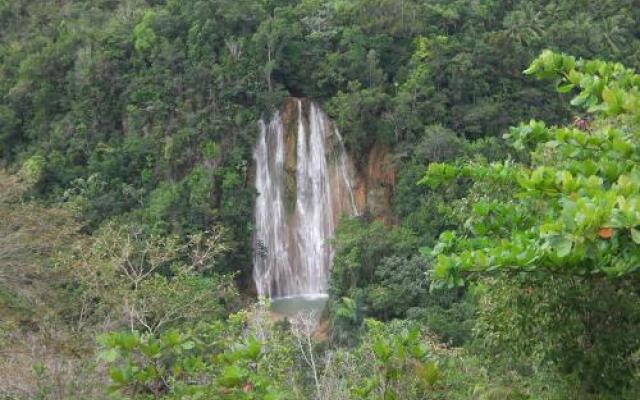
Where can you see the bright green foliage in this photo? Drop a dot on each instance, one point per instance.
(400, 360)
(552, 240)
(573, 209)
(395, 360)
(144, 36)
(605, 87)
(33, 169)
(209, 361)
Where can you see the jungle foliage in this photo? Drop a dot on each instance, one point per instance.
(126, 198)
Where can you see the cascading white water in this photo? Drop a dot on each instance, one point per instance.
(304, 186)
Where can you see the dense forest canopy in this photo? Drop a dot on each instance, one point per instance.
(505, 266)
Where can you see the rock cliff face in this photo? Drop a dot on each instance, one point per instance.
(374, 184)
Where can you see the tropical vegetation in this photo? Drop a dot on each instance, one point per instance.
(505, 267)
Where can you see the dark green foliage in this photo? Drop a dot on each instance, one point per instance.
(553, 238)
(136, 121)
(376, 274)
(361, 246)
(398, 283)
(584, 327)
(123, 100)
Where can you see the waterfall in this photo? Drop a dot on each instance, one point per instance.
(303, 180)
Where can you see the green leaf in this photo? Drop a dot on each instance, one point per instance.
(431, 373)
(231, 376)
(563, 247)
(171, 338)
(565, 88)
(635, 235)
(109, 355)
(382, 350)
(426, 251)
(253, 349)
(188, 345)
(118, 376)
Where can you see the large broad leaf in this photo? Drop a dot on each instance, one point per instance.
(563, 246)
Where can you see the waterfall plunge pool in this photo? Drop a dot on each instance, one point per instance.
(290, 306)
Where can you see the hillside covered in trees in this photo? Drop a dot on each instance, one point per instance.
(496, 255)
